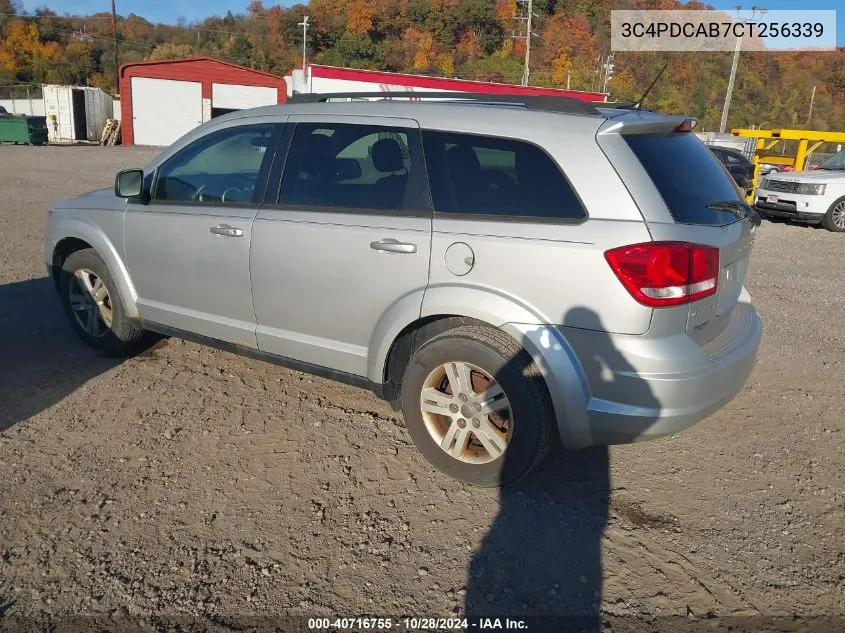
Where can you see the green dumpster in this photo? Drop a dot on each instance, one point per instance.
(30, 130)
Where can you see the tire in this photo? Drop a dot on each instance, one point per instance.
(112, 332)
(519, 434)
(834, 219)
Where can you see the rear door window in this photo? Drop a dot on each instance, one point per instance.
(687, 175)
(500, 177)
(354, 166)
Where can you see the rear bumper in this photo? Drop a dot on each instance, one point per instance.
(632, 388)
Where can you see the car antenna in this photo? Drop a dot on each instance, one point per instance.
(639, 104)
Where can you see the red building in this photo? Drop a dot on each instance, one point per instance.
(162, 100)
(323, 79)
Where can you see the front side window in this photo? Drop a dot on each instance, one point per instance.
(352, 166)
(484, 175)
(835, 162)
(222, 167)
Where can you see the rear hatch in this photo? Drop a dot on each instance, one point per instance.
(704, 206)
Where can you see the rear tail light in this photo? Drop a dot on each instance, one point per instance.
(662, 274)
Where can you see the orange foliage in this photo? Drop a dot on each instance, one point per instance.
(359, 18)
(505, 12)
(468, 47)
(572, 35)
(274, 25)
(560, 66)
(22, 47)
(425, 51)
(447, 64)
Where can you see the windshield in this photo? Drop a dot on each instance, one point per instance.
(696, 187)
(836, 162)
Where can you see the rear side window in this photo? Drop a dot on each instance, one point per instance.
(351, 166)
(484, 175)
(687, 175)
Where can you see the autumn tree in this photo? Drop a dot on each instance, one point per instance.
(171, 51)
(8, 10)
(359, 17)
(464, 38)
(569, 49)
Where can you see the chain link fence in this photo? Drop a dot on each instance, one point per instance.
(22, 99)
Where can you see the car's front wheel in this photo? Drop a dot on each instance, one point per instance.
(834, 219)
(92, 305)
(476, 406)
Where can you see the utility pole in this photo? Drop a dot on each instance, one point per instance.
(729, 94)
(812, 99)
(608, 71)
(596, 70)
(730, 91)
(114, 39)
(304, 25)
(529, 15)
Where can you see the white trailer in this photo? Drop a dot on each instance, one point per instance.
(76, 113)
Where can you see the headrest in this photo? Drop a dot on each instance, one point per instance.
(387, 155)
(318, 154)
(462, 159)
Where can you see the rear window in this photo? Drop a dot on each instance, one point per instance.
(687, 175)
(498, 178)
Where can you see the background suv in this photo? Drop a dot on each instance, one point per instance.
(498, 270)
(814, 197)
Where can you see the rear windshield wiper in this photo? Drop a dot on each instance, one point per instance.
(738, 208)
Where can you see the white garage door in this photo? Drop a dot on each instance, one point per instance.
(164, 109)
(235, 97)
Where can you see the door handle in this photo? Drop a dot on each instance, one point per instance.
(227, 231)
(389, 245)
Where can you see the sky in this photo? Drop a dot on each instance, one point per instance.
(169, 11)
(789, 5)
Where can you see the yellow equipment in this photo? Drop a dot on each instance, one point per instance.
(767, 140)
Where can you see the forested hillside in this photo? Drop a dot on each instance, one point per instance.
(456, 38)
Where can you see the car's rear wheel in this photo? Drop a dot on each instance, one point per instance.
(834, 219)
(476, 406)
(92, 305)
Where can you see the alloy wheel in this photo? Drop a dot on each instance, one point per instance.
(838, 215)
(90, 303)
(466, 412)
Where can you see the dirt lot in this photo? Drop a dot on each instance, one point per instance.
(192, 483)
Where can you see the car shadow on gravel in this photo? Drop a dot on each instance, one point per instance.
(541, 558)
(41, 359)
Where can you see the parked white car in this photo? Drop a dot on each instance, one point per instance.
(814, 197)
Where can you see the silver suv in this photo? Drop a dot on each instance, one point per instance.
(497, 268)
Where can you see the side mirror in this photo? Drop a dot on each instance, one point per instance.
(129, 183)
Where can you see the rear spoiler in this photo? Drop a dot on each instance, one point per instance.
(636, 122)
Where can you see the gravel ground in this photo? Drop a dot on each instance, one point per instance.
(192, 485)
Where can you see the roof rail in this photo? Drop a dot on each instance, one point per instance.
(545, 103)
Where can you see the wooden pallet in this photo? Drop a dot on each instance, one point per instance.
(111, 132)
